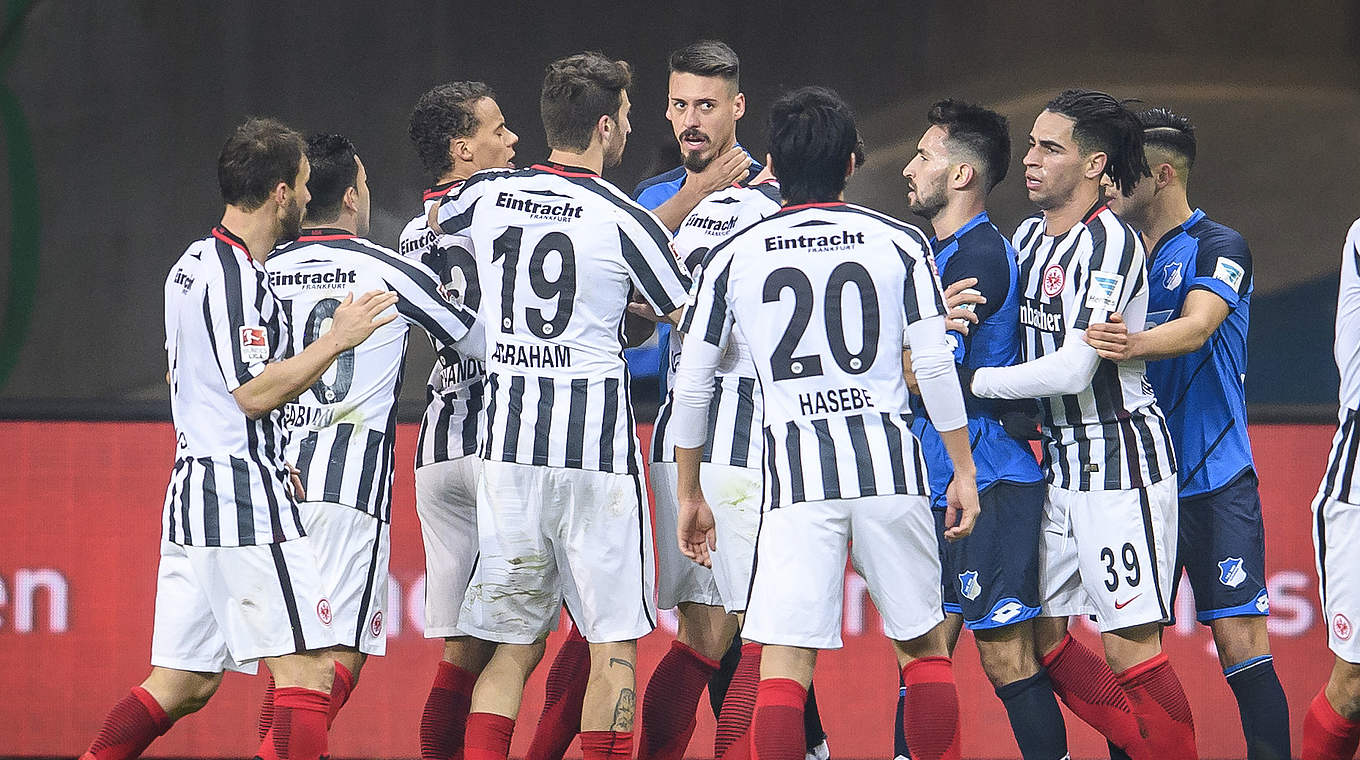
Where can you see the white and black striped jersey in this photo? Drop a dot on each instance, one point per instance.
(734, 436)
(1340, 481)
(558, 252)
(222, 326)
(455, 392)
(343, 428)
(822, 295)
(1112, 435)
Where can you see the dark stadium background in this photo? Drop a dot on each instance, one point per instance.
(112, 114)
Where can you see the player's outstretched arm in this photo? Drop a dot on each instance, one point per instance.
(721, 172)
(281, 382)
(1064, 372)
(1201, 314)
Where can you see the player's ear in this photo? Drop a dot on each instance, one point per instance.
(459, 147)
(351, 199)
(280, 194)
(850, 167)
(1095, 164)
(604, 127)
(739, 106)
(963, 175)
(1164, 174)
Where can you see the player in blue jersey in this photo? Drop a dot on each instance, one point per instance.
(990, 578)
(1196, 349)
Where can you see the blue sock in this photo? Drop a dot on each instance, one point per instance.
(1035, 718)
(1261, 702)
(900, 748)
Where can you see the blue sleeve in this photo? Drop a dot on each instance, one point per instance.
(992, 270)
(1223, 265)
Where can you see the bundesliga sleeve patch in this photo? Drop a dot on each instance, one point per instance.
(254, 345)
(1103, 295)
(1229, 272)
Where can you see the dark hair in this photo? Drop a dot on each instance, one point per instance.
(1106, 125)
(812, 137)
(577, 91)
(1169, 131)
(978, 131)
(707, 58)
(334, 171)
(443, 114)
(259, 155)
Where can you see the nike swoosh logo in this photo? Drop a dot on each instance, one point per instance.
(1121, 605)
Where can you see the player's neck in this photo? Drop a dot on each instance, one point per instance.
(1060, 219)
(592, 158)
(1168, 215)
(455, 174)
(958, 212)
(343, 222)
(258, 229)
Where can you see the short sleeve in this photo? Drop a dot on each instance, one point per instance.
(1223, 266)
(922, 296)
(241, 340)
(1112, 274)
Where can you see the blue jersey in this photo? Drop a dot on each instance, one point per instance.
(1202, 392)
(978, 250)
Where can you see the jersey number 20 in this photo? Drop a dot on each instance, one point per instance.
(783, 364)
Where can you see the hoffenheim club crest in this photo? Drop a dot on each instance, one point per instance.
(968, 584)
(1230, 572)
(1172, 275)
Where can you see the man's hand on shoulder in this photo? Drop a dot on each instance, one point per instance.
(721, 172)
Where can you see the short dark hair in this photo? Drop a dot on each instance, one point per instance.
(1105, 124)
(707, 58)
(258, 155)
(444, 113)
(981, 132)
(334, 171)
(577, 91)
(1166, 130)
(812, 138)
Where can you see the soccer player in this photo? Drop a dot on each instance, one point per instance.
(1109, 527)
(1200, 283)
(1331, 729)
(561, 507)
(705, 103)
(342, 431)
(826, 337)
(239, 579)
(991, 578)
(457, 129)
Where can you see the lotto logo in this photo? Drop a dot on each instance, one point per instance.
(375, 628)
(1054, 279)
(1006, 612)
(1341, 627)
(323, 611)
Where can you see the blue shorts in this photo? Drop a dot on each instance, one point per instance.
(1222, 547)
(992, 576)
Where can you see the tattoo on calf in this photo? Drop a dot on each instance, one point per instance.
(618, 661)
(624, 711)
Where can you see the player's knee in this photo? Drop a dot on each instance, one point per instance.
(468, 653)
(1343, 689)
(1006, 657)
(1240, 638)
(1049, 632)
(179, 692)
(706, 629)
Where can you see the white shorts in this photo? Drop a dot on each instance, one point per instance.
(1111, 554)
(446, 502)
(353, 549)
(799, 576)
(222, 608)
(734, 494)
(678, 578)
(1336, 533)
(554, 534)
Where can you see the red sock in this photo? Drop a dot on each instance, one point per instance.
(266, 718)
(1327, 735)
(299, 728)
(930, 709)
(565, 690)
(777, 728)
(1157, 697)
(669, 703)
(488, 736)
(606, 745)
(1084, 682)
(446, 711)
(739, 705)
(129, 728)
(341, 686)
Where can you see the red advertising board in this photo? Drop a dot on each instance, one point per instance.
(81, 504)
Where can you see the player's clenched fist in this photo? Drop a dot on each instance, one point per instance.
(356, 319)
